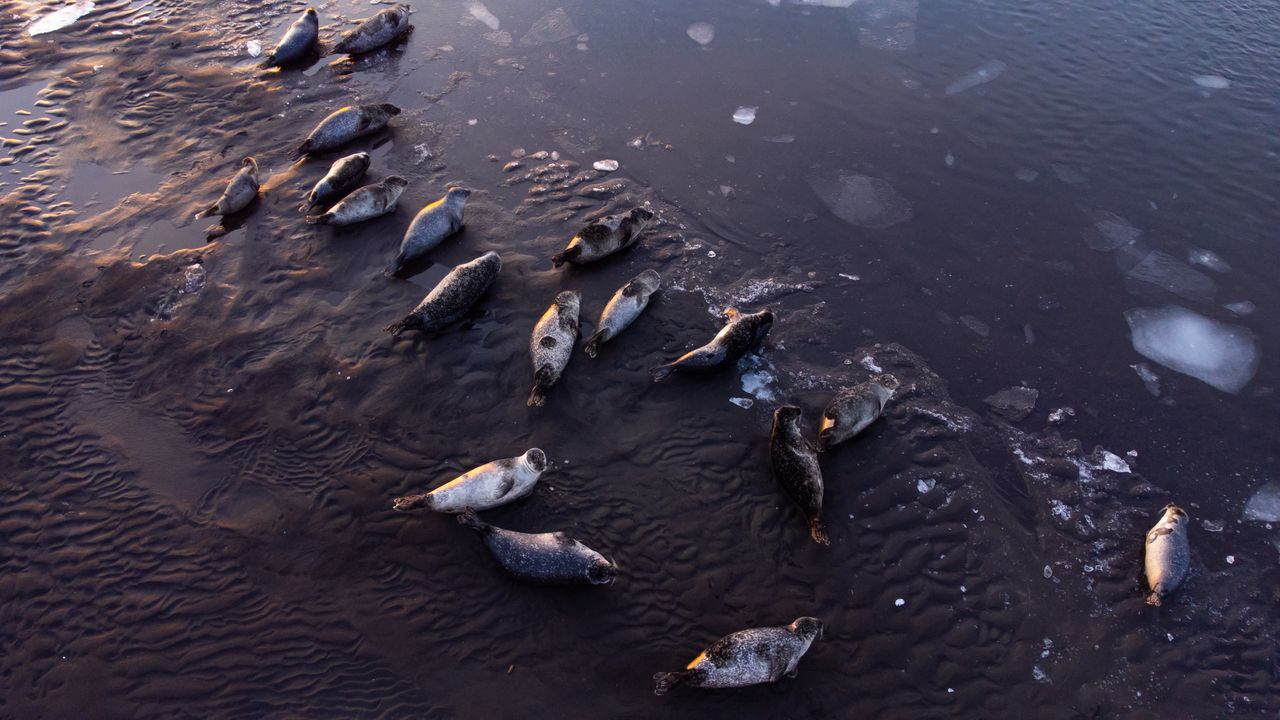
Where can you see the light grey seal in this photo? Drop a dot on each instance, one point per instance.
(488, 486)
(624, 307)
(452, 297)
(344, 125)
(604, 237)
(854, 409)
(743, 332)
(551, 344)
(1168, 554)
(365, 203)
(299, 40)
(747, 657)
(376, 31)
(551, 558)
(430, 227)
(795, 465)
(342, 176)
(241, 191)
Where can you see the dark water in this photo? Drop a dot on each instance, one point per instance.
(198, 462)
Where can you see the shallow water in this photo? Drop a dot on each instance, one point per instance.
(200, 463)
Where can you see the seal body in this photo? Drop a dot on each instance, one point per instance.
(453, 296)
(376, 31)
(795, 465)
(1168, 554)
(551, 344)
(344, 125)
(747, 657)
(342, 176)
(430, 227)
(551, 558)
(743, 332)
(604, 237)
(854, 409)
(624, 307)
(488, 486)
(298, 40)
(366, 203)
(241, 191)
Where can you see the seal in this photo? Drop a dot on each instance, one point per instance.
(344, 125)
(241, 191)
(604, 237)
(452, 297)
(1168, 554)
(366, 203)
(795, 465)
(342, 176)
(299, 40)
(551, 558)
(488, 486)
(551, 344)
(743, 332)
(854, 409)
(376, 31)
(430, 227)
(747, 657)
(624, 307)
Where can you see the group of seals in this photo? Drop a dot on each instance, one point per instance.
(302, 39)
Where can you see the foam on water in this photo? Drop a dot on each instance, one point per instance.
(1224, 356)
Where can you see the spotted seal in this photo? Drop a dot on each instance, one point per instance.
(740, 334)
(488, 486)
(624, 307)
(1168, 554)
(452, 297)
(854, 409)
(342, 176)
(430, 227)
(551, 558)
(604, 237)
(376, 31)
(795, 465)
(344, 125)
(299, 40)
(551, 344)
(241, 191)
(365, 203)
(747, 657)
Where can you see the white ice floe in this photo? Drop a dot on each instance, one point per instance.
(60, 18)
(1224, 356)
(701, 32)
(1264, 506)
(1209, 259)
(1244, 307)
(869, 363)
(605, 165)
(745, 115)
(862, 200)
(193, 277)
(254, 48)
(481, 13)
(1212, 82)
(981, 75)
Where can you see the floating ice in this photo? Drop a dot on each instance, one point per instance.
(1208, 259)
(1244, 307)
(605, 165)
(1163, 270)
(481, 13)
(193, 277)
(1264, 506)
(1149, 379)
(976, 325)
(826, 3)
(862, 200)
(745, 115)
(888, 24)
(781, 139)
(1026, 175)
(553, 27)
(757, 378)
(924, 485)
(949, 159)
(1212, 82)
(983, 74)
(1224, 356)
(254, 48)
(899, 602)
(1110, 232)
(744, 403)
(60, 18)
(1114, 463)
(702, 32)
(1048, 573)
(1214, 526)
(1067, 174)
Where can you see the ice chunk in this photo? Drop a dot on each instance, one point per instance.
(924, 485)
(1224, 356)
(757, 378)
(553, 27)
(1244, 307)
(254, 48)
(1212, 525)
(745, 115)
(888, 24)
(481, 13)
(60, 18)
(1212, 82)
(899, 602)
(1209, 259)
(1264, 506)
(744, 403)
(1149, 379)
(983, 74)
(193, 277)
(949, 159)
(1163, 270)
(701, 32)
(605, 165)
(1110, 232)
(1015, 403)
(1026, 175)
(1114, 463)
(862, 200)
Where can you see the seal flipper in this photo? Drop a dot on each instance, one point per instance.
(818, 531)
(569, 254)
(505, 486)
(662, 372)
(664, 681)
(593, 343)
(396, 266)
(409, 322)
(301, 151)
(469, 519)
(1154, 599)
(319, 219)
(538, 397)
(208, 212)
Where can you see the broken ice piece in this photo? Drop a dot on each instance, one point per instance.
(1212, 82)
(605, 165)
(254, 47)
(745, 115)
(1221, 355)
(702, 32)
(1014, 403)
(1264, 506)
(744, 403)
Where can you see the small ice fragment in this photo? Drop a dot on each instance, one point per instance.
(744, 403)
(701, 32)
(783, 139)
(984, 73)
(745, 115)
(481, 13)
(1231, 559)
(1264, 506)
(1026, 175)
(1244, 307)
(1149, 379)
(964, 589)
(869, 363)
(1212, 525)
(1212, 82)
(1169, 636)
(846, 276)
(254, 47)
(472, 121)
(552, 27)
(1060, 510)
(605, 165)
(1224, 356)
(60, 18)
(861, 200)
(949, 159)
(1114, 463)
(899, 602)
(1208, 259)
(924, 485)
(1039, 674)
(1059, 416)
(193, 278)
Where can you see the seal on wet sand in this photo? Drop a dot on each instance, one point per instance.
(342, 176)
(1168, 554)
(344, 125)
(551, 558)
(747, 657)
(430, 227)
(452, 297)
(795, 465)
(743, 332)
(551, 344)
(854, 409)
(604, 237)
(298, 40)
(366, 203)
(376, 31)
(624, 307)
(488, 486)
(241, 191)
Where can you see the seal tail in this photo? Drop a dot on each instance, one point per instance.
(299, 152)
(320, 219)
(664, 681)
(593, 343)
(662, 372)
(538, 397)
(409, 322)
(396, 266)
(208, 212)
(558, 259)
(818, 531)
(1154, 599)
